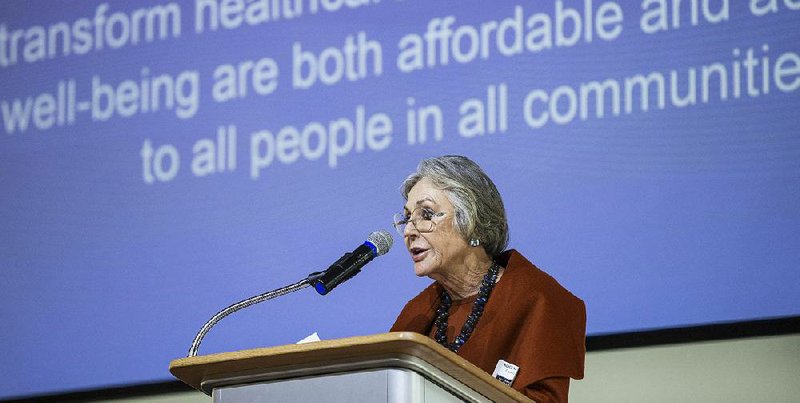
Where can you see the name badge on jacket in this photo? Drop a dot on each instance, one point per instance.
(505, 372)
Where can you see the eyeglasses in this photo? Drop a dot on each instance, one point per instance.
(421, 218)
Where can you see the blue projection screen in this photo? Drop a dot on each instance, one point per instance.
(161, 160)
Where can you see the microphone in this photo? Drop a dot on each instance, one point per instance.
(347, 266)
(350, 264)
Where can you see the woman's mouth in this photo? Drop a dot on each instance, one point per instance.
(417, 254)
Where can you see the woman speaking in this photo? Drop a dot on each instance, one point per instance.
(491, 306)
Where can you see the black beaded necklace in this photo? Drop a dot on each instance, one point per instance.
(477, 310)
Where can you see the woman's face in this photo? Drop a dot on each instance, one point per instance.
(434, 253)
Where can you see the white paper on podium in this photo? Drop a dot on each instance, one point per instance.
(310, 338)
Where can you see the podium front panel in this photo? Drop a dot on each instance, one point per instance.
(391, 385)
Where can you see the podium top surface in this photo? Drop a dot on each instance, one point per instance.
(397, 349)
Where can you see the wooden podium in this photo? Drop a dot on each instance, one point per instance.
(390, 367)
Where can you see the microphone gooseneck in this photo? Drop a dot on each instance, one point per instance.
(241, 305)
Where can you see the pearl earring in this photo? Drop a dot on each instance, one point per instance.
(474, 242)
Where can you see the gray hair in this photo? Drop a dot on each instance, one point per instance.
(479, 210)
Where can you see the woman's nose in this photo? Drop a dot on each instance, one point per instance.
(410, 229)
